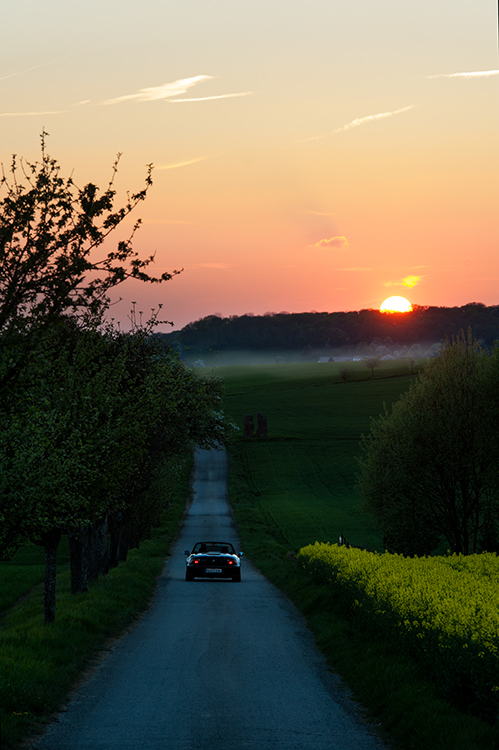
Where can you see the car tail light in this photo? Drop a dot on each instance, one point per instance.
(231, 562)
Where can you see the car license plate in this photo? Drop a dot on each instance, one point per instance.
(213, 570)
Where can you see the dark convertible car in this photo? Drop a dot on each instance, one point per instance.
(213, 560)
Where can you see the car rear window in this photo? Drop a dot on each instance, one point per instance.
(206, 547)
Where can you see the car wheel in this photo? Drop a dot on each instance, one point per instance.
(236, 577)
(189, 576)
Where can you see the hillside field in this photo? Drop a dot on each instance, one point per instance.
(300, 481)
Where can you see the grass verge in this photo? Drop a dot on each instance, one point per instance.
(39, 665)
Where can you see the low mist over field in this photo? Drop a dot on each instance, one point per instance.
(277, 357)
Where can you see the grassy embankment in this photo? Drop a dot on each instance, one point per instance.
(298, 487)
(39, 664)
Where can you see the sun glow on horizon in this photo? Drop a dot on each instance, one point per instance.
(396, 304)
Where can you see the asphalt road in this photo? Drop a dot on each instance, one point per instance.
(213, 664)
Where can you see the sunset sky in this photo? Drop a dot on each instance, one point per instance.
(309, 154)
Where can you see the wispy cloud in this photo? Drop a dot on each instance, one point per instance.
(216, 266)
(36, 67)
(336, 243)
(168, 91)
(167, 221)
(220, 266)
(356, 268)
(476, 74)
(209, 98)
(156, 93)
(358, 122)
(319, 213)
(33, 114)
(177, 164)
(407, 281)
(372, 118)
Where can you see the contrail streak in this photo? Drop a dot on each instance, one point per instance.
(183, 163)
(35, 67)
(476, 74)
(208, 98)
(32, 114)
(359, 121)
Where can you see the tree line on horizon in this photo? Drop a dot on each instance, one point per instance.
(343, 332)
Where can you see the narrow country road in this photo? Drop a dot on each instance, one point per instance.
(213, 664)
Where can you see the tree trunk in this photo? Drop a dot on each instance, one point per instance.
(78, 552)
(119, 528)
(114, 540)
(134, 536)
(125, 541)
(50, 540)
(98, 553)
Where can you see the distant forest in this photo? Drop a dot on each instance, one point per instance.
(343, 332)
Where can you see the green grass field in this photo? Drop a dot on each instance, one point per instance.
(301, 479)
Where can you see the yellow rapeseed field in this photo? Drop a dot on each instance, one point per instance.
(443, 609)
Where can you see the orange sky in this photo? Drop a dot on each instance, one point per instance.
(309, 156)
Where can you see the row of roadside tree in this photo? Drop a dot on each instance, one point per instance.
(89, 415)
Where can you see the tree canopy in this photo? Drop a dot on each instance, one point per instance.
(430, 468)
(52, 233)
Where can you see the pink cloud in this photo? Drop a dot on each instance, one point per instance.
(337, 243)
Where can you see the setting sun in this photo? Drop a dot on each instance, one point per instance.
(396, 304)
